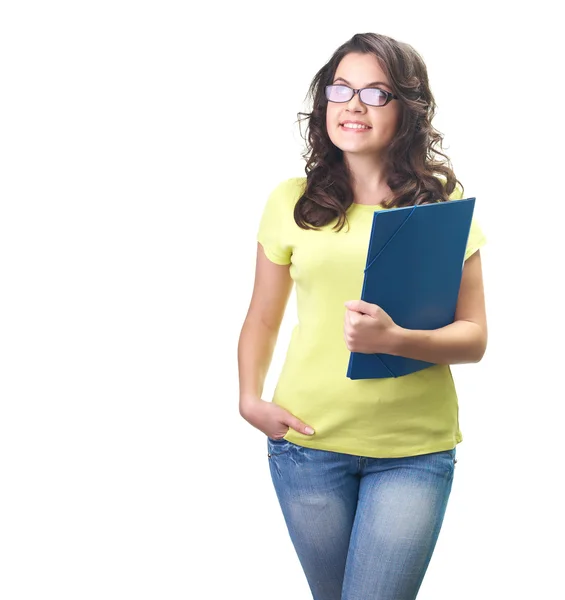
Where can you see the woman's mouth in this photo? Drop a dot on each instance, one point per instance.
(354, 128)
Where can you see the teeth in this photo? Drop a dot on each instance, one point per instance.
(355, 126)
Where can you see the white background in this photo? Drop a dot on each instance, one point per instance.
(138, 144)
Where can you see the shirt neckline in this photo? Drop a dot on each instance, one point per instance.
(368, 206)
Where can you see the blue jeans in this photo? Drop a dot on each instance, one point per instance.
(363, 528)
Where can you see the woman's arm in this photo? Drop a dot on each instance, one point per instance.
(257, 340)
(259, 333)
(464, 340)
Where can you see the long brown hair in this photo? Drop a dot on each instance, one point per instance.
(412, 165)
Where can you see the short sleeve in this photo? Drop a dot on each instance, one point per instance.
(477, 238)
(273, 232)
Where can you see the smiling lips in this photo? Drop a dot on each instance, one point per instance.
(354, 126)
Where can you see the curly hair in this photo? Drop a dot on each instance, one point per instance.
(412, 165)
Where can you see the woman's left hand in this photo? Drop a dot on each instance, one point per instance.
(368, 328)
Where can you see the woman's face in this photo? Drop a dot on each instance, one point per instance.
(358, 71)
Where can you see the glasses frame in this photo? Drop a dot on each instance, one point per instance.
(389, 95)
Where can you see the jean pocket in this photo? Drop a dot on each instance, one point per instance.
(449, 455)
(277, 446)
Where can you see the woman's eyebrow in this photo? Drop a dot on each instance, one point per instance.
(368, 85)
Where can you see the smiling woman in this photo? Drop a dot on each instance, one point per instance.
(344, 123)
(362, 468)
(381, 84)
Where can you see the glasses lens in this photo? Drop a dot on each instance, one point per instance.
(373, 96)
(338, 93)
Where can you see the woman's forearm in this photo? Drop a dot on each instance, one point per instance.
(255, 352)
(459, 342)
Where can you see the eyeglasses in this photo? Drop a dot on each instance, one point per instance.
(371, 96)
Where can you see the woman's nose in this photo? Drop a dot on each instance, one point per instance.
(355, 102)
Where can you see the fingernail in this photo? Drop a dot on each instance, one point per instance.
(309, 430)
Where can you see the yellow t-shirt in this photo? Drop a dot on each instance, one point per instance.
(379, 418)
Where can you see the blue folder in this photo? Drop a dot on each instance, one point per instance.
(413, 271)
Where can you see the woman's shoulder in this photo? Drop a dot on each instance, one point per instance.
(457, 193)
(285, 195)
(291, 188)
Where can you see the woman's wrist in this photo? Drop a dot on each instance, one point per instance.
(398, 336)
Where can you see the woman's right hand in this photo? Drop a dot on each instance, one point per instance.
(273, 420)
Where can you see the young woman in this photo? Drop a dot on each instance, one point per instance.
(362, 468)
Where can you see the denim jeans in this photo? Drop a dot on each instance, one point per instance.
(363, 528)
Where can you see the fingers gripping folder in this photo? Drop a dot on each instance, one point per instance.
(413, 271)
